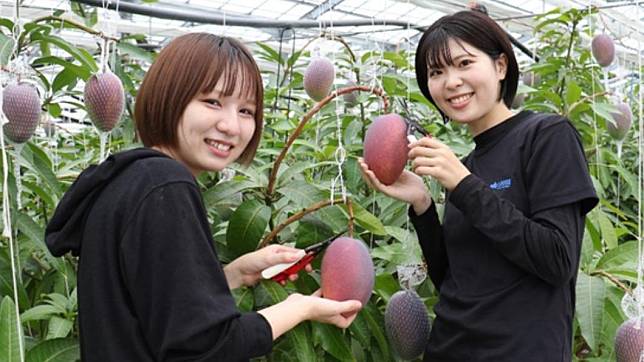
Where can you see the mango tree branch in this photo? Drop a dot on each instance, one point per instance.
(613, 279)
(318, 106)
(296, 217)
(75, 25)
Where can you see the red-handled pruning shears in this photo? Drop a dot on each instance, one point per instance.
(281, 272)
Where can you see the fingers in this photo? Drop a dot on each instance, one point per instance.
(369, 176)
(278, 254)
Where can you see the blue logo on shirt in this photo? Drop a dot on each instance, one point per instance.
(501, 184)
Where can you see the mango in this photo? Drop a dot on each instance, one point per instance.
(318, 78)
(104, 100)
(603, 49)
(623, 119)
(385, 147)
(22, 106)
(347, 271)
(407, 324)
(629, 341)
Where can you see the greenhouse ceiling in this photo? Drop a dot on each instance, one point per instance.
(365, 24)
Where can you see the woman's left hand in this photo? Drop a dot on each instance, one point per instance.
(431, 157)
(247, 269)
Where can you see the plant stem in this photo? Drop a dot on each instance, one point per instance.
(613, 279)
(296, 217)
(307, 117)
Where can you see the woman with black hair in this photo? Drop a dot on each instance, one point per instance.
(505, 258)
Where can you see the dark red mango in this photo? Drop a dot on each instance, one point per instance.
(104, 100)
(21, 104)
(385, 147)
(629, 341)
(347, 271)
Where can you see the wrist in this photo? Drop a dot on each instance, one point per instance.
(421, 205)
(233, 276)
(299, 306)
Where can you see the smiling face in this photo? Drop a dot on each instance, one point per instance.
(467, 88)
(214, 130)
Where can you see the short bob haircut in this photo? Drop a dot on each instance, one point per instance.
(475, 29)
(188, 66)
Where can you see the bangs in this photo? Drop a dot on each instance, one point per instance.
(439, 54)
(239, 74)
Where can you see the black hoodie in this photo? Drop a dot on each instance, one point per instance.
(150, 286)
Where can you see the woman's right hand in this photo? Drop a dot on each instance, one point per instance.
(408, 188)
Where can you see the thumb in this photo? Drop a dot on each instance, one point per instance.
(350, 306)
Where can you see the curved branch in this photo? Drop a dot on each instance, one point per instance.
(76, 25)
(307, 117)
(613, 279)
(296, 217)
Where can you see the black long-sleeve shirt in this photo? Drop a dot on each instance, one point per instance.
(150, 286)
(505, 259)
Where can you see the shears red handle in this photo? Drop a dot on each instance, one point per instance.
(295, 268)
(281, 272)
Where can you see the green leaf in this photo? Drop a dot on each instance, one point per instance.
(83, 57)
(360, 330)
(55, 350)
(409, 241)
(135, 52)
(59, 327)
(300, 339)
(246, 226)
(604, 110)
(573, 92)
(607, 229)
(40, 312)
(376, 322)
(10, 334)
(268, 293)
(54, 110)
(66, 77)
(270, 53)
(333, 341)
(285, 174)
(385, 286)
(624, 256)
(226, 190)
(303, 195)
(6, 49)
(36, 233)
(591, 292)
(81, 72)
(367, 220)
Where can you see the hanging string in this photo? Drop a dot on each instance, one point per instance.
(6, 205)
(340, 152)
(640, 215)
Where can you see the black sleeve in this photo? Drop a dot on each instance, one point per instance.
(177, 286)
(556, 169)
(430, 236)
(546, 245)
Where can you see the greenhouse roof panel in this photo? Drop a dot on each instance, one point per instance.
(618, 18)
